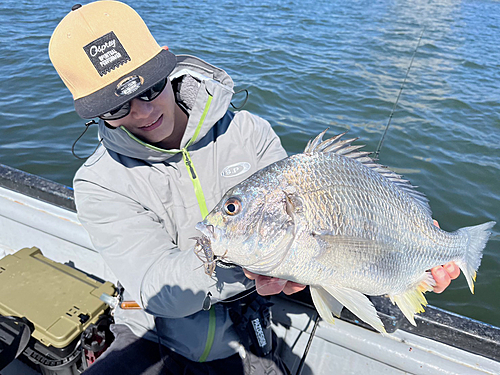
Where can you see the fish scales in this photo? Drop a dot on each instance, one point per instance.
(335, 220)
(361, 202)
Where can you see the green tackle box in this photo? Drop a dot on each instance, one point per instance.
(59, 301)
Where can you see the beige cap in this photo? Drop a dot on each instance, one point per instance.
(105, 55)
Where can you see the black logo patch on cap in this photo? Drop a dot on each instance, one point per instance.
(129, 85)
(106, 53)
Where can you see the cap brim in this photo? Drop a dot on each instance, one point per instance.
(105, 99)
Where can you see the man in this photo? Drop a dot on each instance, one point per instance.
(169, 145)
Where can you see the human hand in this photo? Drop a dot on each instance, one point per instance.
(267, 285)
(444, 274)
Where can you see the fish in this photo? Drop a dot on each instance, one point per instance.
(335, 219)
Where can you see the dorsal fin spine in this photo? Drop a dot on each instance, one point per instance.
(344, 148)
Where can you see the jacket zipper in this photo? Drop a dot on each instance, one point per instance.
(202, 205)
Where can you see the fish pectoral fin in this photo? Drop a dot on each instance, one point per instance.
(325, 303)
(358, 304)
(349, 249)
(412, 301)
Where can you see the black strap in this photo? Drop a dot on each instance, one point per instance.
(11, 351)
(252, 321)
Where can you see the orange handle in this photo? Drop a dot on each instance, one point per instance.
(130, 305)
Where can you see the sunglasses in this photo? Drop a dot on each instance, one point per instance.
(147, 96)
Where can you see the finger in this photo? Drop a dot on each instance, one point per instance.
(267, 286)
(250, 275)
(442, 279)
(292, 287)
(436, 223)
(452, 269)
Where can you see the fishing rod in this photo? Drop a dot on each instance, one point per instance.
(379, 147)
(308, 345)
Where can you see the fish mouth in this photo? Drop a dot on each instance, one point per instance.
(210, 234)
(206, 230)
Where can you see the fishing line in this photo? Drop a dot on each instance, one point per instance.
(209, 297)
(250, 291)
(379, 147)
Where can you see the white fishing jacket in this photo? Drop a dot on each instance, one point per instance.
(140, 204)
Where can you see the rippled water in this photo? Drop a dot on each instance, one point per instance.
(308, 65)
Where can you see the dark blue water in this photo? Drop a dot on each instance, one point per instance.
(308, 65)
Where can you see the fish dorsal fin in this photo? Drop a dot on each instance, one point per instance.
(344, 148)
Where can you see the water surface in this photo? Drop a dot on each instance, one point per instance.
(308, 65)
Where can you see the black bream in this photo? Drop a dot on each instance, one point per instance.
(335, 220)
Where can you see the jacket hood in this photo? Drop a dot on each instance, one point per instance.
(202, 90)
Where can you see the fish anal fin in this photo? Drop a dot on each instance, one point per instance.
(358, 304)
(412, 301)
(325, 303)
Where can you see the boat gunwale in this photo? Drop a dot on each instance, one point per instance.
(435, 323)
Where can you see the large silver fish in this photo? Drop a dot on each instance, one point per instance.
(335, 220)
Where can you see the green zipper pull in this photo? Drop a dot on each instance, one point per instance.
(189, 165)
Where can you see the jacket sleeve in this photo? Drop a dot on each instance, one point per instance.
(136, 246)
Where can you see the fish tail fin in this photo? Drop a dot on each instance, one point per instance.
(412, 301)
(477, 237)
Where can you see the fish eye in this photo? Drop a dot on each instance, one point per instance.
(232, 206)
